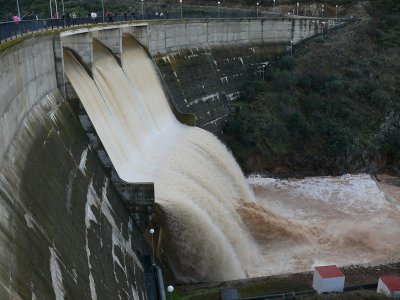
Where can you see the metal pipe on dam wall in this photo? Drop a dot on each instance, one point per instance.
(64, 229)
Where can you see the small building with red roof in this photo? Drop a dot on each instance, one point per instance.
(389, 285)
(328, 279)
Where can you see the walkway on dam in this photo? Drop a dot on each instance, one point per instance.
(13, 29)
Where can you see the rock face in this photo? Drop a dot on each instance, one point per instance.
(65, 234)
(205, 81)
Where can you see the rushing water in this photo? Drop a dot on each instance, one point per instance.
(212, 227)
(347, 220)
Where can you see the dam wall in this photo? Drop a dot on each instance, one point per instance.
(64, 230)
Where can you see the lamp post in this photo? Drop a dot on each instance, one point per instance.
(291, 47)
(323, 25)
(322, 10)
(19, 12)
(181, 8)
(258, 3)
(273, 7)
(170, 289)
(142, 9)
(297, 8)
(152, 242)
(219, 3)
(336, 10)
(263, 70)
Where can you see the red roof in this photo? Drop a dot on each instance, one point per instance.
(329, 271)
(392, 282)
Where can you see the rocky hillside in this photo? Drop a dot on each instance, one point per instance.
(332, 107)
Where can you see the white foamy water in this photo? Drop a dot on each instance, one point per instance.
(347, 220)
(348, 194)
(210, 224)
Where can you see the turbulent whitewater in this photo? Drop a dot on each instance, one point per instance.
(351, 219)
(211, 225)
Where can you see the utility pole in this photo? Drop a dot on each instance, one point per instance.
(298, 8)
(181, 8)
(219, 3)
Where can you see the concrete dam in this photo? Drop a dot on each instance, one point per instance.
(90, 139)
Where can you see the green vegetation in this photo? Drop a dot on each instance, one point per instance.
(331, 108)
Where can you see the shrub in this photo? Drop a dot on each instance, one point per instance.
(253, 89)
(283, 81)
(305, 82)
(379, 98)
(353, 73)
(335, 86)
(286, 63)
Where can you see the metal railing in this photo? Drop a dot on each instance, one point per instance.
(11, 30)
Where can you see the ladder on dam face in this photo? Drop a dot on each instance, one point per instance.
(138, 198)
